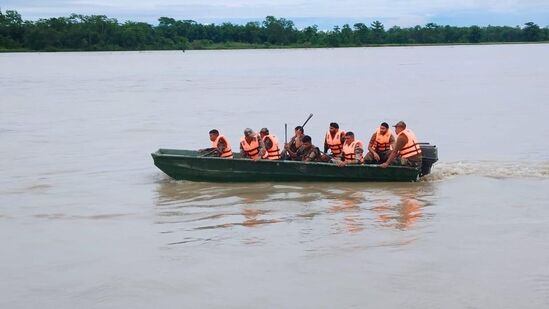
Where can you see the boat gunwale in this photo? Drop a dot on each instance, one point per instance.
(377, 166)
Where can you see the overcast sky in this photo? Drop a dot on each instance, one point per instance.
(321, 12)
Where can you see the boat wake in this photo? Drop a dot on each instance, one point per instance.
(445, 170)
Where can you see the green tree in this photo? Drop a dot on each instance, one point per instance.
(12, 29)
(378, 32)
(346, 35)
(98, 32)
(310, 34)
(279, 31)
(433, 33)
(252, 33)
(532, 32)
(362, 33)
(136, 35)
(334, 37)
(397, 35)
(475, 34)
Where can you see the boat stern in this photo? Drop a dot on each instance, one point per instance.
(430, 156)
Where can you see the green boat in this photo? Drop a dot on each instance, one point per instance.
(190, 165)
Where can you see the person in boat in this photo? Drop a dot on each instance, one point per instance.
(220, 146)
(334, 140)
(272, 151)
(407, 151)
(251, 145)
(352, 151)
(308, 152)
(291, 148)
(381, 143)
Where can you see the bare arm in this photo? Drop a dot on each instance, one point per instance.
(359, 153)
(392, 141)
(220, 147)
(372, 144)
(400, 142)
(262, 148)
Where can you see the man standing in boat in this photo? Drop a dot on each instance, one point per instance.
(381, 143)
(251, 145)
(407, 151)
(220, 146)
(271, 145)
(334, 140)
(352, 151)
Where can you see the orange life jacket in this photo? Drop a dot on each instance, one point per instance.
(335, 142)
(412, 147)
(383, 142)
(272, 153)
(349, 150)
(227, 152)
(252, 149)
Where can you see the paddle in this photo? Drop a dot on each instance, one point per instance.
(285, 133)
(310, 116)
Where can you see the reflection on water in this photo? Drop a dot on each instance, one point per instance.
(201, 210)
(401, 215)
(349, 204)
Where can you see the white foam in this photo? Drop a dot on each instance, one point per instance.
(445, 170)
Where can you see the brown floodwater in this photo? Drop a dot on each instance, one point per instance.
(87, 221)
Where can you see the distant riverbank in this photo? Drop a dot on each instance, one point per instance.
(237, 46)
(101, 33)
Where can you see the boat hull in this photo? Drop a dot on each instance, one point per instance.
(188, 165)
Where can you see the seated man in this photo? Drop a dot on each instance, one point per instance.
(251, 145)
(308, 152)
(381, 143)
(220, 146)
(407, 151)
(290, 149)
(334, 140)
(352, 151)
(271, 145)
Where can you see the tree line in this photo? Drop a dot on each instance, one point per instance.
(98, 32)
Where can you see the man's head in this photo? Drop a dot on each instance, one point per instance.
(299, 131)
(264, 132)
(307, 142)
(383, 128)
(248, 134)
(334, 127)
(400, 126)
(349, 137)
(213, 134)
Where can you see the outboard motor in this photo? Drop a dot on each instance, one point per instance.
(430, 156)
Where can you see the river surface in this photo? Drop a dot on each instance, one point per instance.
(87, 221)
